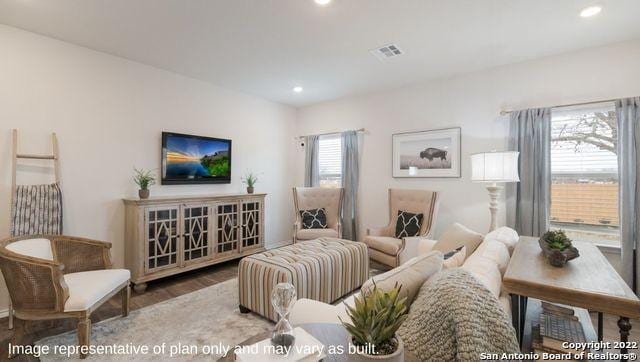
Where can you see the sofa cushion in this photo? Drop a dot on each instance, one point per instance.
(495, 251)
(487, 272)
(455, 260)
(310, 234)
(411, 275)
(87, 288)
(314, 218)
(458, 235)
(385, 244)
(36, 248)
(505, 235)
(408, 224)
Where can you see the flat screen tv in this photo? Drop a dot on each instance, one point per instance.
(188, 159)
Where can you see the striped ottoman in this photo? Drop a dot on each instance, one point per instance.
(323, 269)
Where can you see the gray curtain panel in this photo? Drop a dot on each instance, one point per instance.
(530, 134)
(628, 114)
(350, 172)
(311, 167)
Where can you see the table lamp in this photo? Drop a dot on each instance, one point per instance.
(494, 168)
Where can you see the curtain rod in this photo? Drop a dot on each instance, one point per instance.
(359, 130)
(503, 113)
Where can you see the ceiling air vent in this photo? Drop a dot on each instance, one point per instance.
(387, 52)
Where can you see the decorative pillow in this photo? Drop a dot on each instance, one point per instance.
(458, 235)
(411, 275)
(455, 258)
(408, 224)
(314, 218)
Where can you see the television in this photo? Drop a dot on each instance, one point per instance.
(189, 159)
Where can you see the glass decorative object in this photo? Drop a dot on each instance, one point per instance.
(283, 298)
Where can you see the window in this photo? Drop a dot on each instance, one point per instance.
(330, 161)
(584, 173)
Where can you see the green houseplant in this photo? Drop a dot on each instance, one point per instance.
(143, 178)
(375, 318)
(557, 247)
(250, 180)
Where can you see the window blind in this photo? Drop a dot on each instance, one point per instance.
(330, 160)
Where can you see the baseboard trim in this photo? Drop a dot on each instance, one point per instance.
(4, 313)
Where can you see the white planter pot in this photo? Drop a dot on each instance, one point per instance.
(397, 356)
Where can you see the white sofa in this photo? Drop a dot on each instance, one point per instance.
(487, 262)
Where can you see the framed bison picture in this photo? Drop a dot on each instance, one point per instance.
(433, 153)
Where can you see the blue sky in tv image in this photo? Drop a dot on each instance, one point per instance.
(192, 157)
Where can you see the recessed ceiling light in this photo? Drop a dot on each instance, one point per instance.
(590, 11)
(298, 89)
(322, 2)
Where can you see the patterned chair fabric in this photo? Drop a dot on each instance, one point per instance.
(324, 269)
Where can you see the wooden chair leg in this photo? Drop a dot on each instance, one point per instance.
(126, 298)
(10, 314)
(19, 333)
(84, 334)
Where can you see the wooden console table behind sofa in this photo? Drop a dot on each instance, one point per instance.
(170, 235)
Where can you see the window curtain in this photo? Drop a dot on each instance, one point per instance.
(530, 134)
(312, 167)
(350, 172)
(628, 114)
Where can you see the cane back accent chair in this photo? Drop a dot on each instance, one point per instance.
(307, 198)
(54, 276)
(384, 247)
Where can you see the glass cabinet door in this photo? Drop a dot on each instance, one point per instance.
(195, 231)
(162, 237)
(227, 233)
(251, 224)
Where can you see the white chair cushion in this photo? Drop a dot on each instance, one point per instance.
(37, 248)
(87, 288)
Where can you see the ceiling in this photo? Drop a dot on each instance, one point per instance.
(266, 47)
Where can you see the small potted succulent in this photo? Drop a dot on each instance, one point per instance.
(375, 318)
(557, 247)
(144, 178)
(250, 180)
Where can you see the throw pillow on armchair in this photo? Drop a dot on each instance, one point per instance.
(314, 218)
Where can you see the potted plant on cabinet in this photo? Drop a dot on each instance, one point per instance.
(375, 318)
(144, 178)
(250, 180)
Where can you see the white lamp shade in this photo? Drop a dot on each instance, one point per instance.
(495, 167)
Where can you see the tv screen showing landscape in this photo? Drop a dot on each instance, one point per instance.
(190, 159)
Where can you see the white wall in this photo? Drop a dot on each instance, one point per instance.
(472, 102)
(108, 114)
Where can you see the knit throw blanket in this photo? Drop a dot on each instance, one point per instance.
(455, 318)
(36, 209)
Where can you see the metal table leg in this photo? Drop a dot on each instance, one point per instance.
(625, 326)
(600, 327)
(515, 315)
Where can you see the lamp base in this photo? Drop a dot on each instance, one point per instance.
(494, 193)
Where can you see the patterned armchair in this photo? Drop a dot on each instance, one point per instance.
(54, 276)
(307, 198)
(384, 247)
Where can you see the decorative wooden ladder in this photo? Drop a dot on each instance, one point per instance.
(14, 169)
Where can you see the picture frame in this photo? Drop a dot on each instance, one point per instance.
(431, 153)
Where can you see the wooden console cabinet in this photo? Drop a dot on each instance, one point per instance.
(170, 235)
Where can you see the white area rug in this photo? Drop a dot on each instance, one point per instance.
(207, 317)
